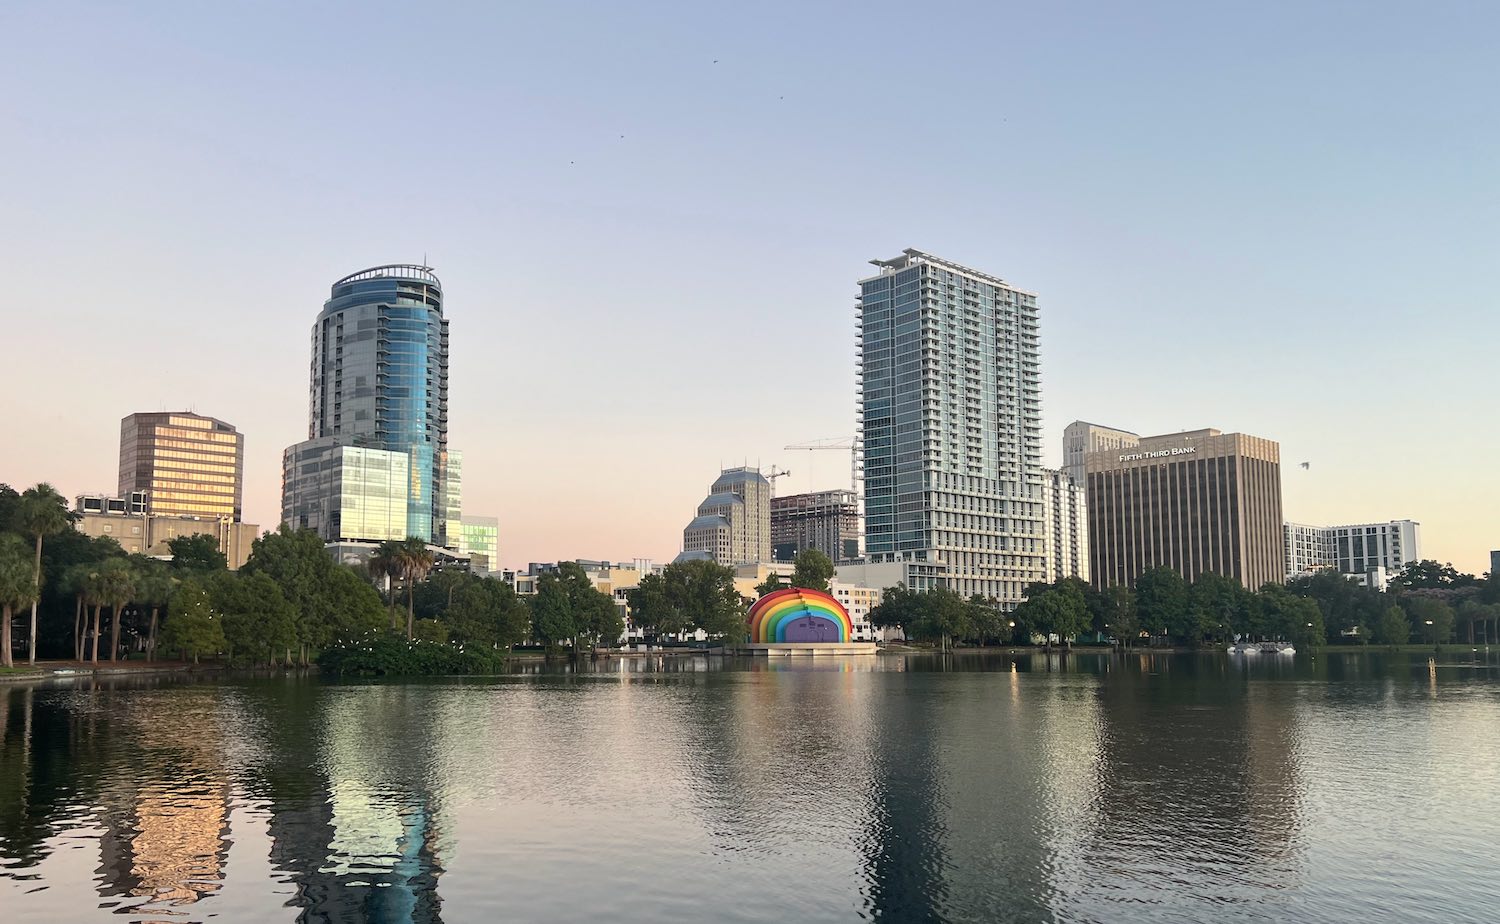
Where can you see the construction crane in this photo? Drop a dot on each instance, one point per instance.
(775, 473)
(847, 444)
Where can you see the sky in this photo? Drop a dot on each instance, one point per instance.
(649, 219)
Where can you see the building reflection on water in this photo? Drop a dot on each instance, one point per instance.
(1044, 787)
(158, 795)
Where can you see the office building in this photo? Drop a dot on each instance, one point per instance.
(950, 424)
(127, 520)
(1065, 519)
(1354, 549)
(1198, 501)
(733, 524)
(345, 492)
(188, 465)
(1081, 438)
(479, 538)
(1494, 574)
(824, 520)
(378, 387)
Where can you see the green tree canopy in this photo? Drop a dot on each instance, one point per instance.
(652, 605)
(703, 594)
(812, 569)
(1161, 602)
(1049, 610)
(1393, 628)
(197, 554)
(259, 624)
(191, 628)
(1218, 606)
(487, 613)
(1430, 575)
(1432, 618)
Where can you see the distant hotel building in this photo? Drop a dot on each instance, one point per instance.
(1081, 438)
(376, 463)
(1199, 501)
(733, 525)
(188, 464)
(950, 418)
(1065, 518)
(1363, 549)
(824, 520)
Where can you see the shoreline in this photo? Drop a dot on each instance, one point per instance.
(64, 670)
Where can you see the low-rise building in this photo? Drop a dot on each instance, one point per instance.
(126, 520)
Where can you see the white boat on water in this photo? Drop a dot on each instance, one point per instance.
(1247, 648)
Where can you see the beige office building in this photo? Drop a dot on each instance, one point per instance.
(1198, 501)
(1081, 438)
(733, 525)
(188, 465)
(125, 520)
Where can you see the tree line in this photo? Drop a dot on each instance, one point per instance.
(1427, 601)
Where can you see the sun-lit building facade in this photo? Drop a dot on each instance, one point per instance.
(188, 464)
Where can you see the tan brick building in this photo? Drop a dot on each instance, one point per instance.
(1198, 501)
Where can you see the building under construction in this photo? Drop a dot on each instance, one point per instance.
(824, 520)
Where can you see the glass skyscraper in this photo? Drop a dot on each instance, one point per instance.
(378, 382)
(950, 424)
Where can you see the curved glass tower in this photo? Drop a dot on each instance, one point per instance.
(378, 382)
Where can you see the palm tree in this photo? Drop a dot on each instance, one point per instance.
(93, 598)
(76, 582)
(416, 561)
(153, 587)
(117, 587)
(385, 562)
(16, 589)
(41, 512)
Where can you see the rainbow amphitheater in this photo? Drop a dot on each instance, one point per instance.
(799, 621)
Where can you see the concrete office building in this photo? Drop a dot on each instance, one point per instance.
(1354, 549)
(824, 520)
(1065, 518)
(188, 464)
(1081, 438)
(379, 386)
(733, 525)
(127, 520)
(949, 413)
(1198, 501)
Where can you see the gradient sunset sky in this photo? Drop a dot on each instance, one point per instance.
(1274, 218)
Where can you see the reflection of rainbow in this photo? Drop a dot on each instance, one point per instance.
(797, 614)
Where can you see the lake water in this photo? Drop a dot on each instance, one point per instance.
(972, 788)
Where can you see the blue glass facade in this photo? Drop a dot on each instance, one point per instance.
(379, 379)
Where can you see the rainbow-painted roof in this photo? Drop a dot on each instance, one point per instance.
(797, 614)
